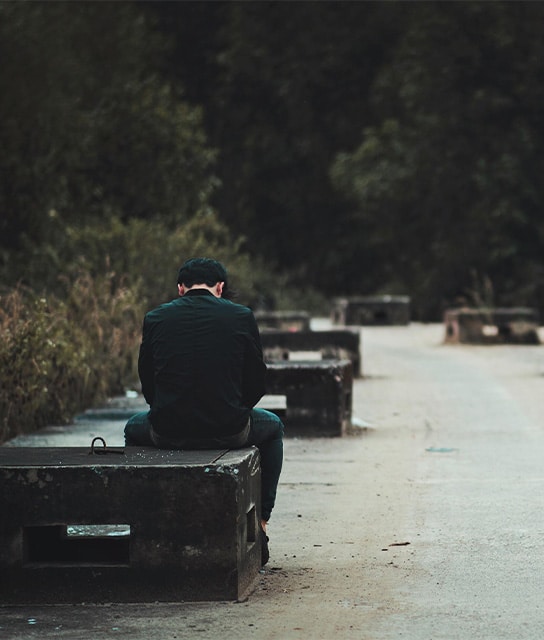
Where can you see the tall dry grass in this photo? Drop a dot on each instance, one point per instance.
(58, 356)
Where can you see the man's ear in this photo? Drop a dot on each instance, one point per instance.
(181, 289)
(219, 288)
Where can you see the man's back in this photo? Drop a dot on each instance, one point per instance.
(201, 366)
(202, 372)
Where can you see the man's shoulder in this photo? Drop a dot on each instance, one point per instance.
(162, 309)
(221, 305)
(234, 307)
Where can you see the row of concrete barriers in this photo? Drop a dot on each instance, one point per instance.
(345, 311)
(480, 325)
(140, 524)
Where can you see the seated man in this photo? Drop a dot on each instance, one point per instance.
(202, 372)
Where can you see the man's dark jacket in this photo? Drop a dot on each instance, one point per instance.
(201, 366)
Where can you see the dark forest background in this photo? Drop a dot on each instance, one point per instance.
(325, 147)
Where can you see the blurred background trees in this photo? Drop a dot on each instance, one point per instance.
(375, 147)
(89, 131)
(348, 147)
(446, 182)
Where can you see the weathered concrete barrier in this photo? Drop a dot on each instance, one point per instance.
(331, 344)
(319, 395)
(516, 325)
(146, 525)
(371, 310)
(285, 320)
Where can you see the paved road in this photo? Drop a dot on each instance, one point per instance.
(476, 515)
(427, 525)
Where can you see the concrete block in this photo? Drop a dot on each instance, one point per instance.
(371, 310)
(340, 344)
(516, 325)
(148, 525)
(285, 320)
(319, 395)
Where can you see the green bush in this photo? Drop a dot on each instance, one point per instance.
(149, 253)
(145, 254)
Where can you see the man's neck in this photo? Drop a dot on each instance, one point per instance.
(216, 290)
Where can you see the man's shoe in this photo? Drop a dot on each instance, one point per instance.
(265, 554)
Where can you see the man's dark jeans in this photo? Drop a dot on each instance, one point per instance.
(265, 432)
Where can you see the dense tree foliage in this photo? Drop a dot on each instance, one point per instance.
(369, 147)
(285, 87)
(88, 129)
(447, 184)
(360, 147)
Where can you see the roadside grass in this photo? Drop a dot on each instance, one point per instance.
(58, 356)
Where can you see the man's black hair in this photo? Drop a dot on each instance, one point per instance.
(202, 271)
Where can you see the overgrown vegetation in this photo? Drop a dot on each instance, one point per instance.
(60, 355)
